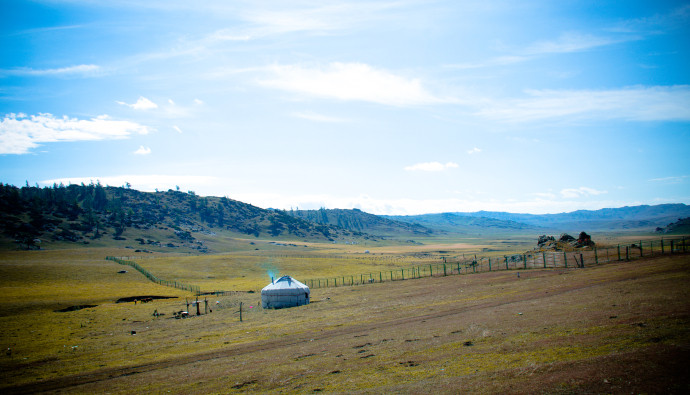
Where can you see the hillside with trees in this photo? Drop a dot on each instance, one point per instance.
(358, 221)
(31, 216)
(465, 225)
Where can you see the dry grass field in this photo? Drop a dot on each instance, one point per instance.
(614, 328)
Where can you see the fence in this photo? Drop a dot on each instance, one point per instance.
(531, 260)
(151, 277)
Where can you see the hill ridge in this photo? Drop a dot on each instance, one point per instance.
(86, 214)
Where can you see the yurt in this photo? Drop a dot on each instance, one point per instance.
(284, 292)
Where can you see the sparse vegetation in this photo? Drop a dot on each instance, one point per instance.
(617, 327)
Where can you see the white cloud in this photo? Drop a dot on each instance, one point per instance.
(86, 69)
(474, 150)
(575, 42)
(141, 104)
(317, 117)
(19, 133)
(567, 43)
(640, 103)
(177, 128)
(198, 102)
(262, 20)
(544, 195)
(431, 166)
(351, 81)
(285, 17)
(226, 35)
(497, 61)
(142, 150)
(670, 180)
(573, 193)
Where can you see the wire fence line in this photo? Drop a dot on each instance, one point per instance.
(526, 261)
(433, 268)
(175, 284)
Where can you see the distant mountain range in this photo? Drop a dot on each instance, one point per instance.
(623, 218)
(118, 216)
(636, 218)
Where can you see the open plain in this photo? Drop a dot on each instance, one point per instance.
(619, 327)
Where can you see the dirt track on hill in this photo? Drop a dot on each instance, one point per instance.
(446, 313)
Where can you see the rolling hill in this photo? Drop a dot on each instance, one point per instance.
(31, 217)
(682, 226)
(465, 224)
(359, 221)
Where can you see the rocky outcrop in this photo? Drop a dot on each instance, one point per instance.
(682, 226)
(565, 242)
(584, 240)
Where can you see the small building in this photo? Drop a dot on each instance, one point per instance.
(284, 292)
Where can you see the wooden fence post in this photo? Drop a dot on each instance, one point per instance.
(565, 259)
(671, 246)
(524, 260)
(240, 311)
(582, 261)
(641, 248)
(596, 256)
(619, 252)
(627, 254)
(662, 245)
(543, 257)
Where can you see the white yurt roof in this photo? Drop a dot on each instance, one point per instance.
(285, 292)
(285, 283)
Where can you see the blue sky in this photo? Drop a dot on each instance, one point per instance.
(393, 107)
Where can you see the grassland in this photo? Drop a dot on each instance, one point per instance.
(613, 328)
